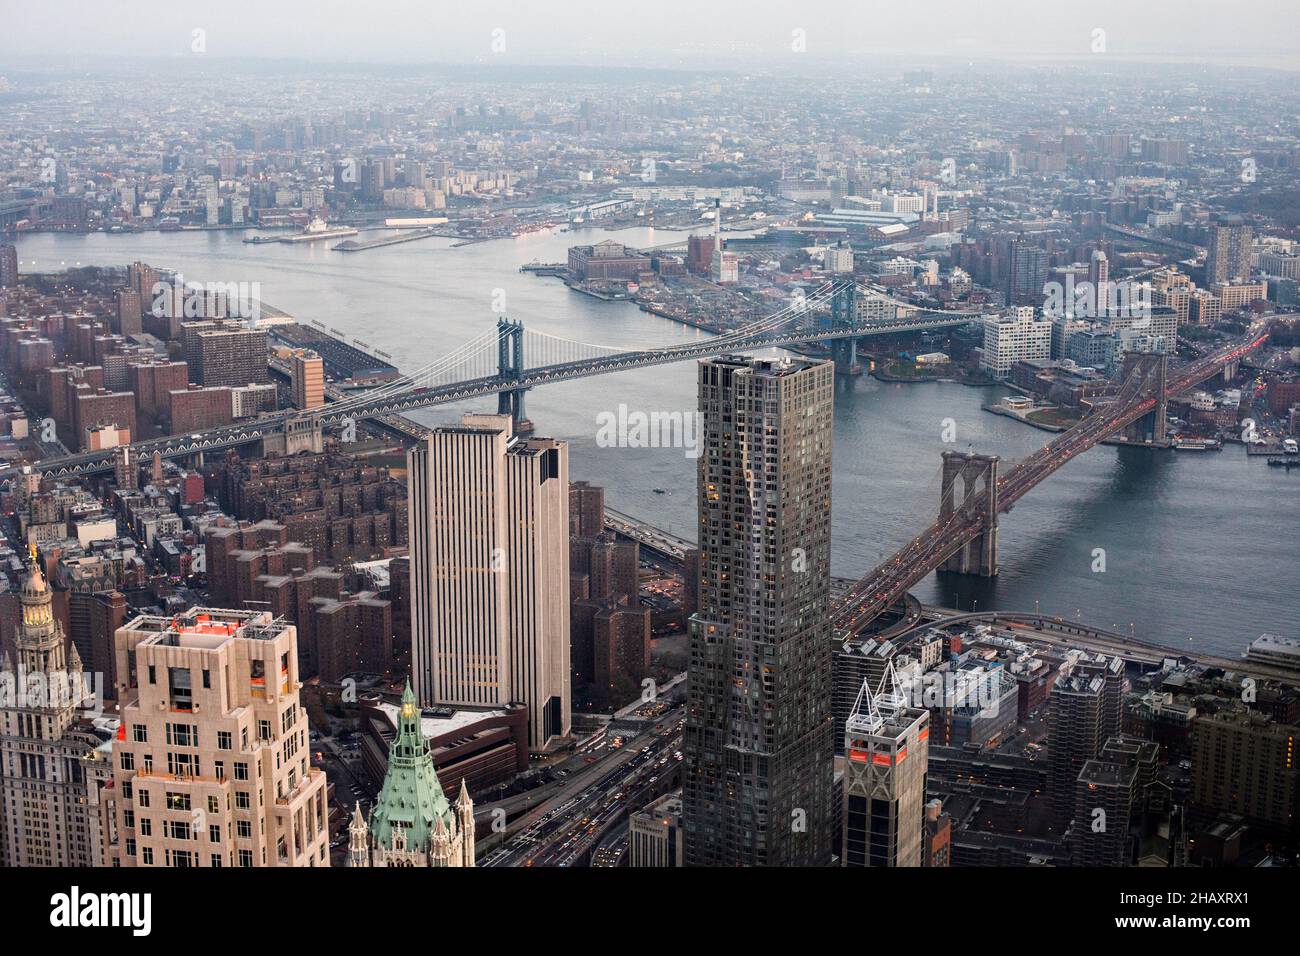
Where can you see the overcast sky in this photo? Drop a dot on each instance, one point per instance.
(666, 32)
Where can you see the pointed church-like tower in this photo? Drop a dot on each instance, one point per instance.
(413, 823)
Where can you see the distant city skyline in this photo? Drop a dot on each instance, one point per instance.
(680, 34)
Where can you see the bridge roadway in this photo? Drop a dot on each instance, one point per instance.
(887, 584)
(218, 439)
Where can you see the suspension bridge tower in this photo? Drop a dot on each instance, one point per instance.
(1151, 427)
(844, 314)
(510, 366)
(969, 481)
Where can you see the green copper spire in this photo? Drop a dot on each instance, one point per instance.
(411, 800)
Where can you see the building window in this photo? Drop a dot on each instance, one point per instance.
(223, 740)
(214, 833)
(127, 760)
(241, 770)
(140, 733)
(183, 735)
(245, 857)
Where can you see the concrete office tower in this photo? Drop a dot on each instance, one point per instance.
(886, 755)
(489, 539)
(1228, 257)
(1085, 710)
(52, 750)
(308, 379)
(758, 748)
(413, 823)
(212, 767)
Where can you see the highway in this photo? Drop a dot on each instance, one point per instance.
(562, 830)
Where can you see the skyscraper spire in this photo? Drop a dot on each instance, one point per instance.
(413, 823)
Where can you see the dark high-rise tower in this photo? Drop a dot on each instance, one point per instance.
(1086, 710)
(1228, 256)
(758, 747)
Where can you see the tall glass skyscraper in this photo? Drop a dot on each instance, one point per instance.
(758, 747)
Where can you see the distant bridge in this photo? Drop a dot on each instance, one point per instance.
(509, 360)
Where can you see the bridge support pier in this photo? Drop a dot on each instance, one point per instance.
(1151, 427)
(511, 402)
(845, 354)
(978, 476)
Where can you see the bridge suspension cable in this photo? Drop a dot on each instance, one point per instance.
(458, 358)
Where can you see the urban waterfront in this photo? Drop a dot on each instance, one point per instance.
(1197, 547)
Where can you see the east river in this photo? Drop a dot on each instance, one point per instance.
(1201, 548)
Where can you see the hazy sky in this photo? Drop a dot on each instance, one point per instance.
(665, 32)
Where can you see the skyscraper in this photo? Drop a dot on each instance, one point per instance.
(8, 265)
(1085, 711)
(1027, 275)
(489, 535)
(886, 754)
(758, 748)
(211, 767)
(1228, 257)
(51, 749)
(1099, 276)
